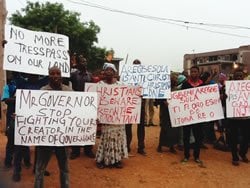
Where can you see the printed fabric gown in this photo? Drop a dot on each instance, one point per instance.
(113, 145)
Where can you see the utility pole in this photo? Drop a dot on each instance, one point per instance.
(3, 14)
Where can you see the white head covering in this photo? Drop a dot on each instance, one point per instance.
(109, 65)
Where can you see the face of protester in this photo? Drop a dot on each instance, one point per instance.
(221, 81)
(109, 57)
(173, 81)
(238, 75)
(194, 74)
(208, 79)
(73, 60)
(136, 62)
(101, 75)
(55, 78)
(82, 63)
(109, 73)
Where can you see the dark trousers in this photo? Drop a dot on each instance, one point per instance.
(9, 150)
(237, 128)
(44, 154)
(21, 152)
(140, 135)
(197, 132)
(35, 160)
(140, 130)
(76, 149)
(129, 135)
(208, 132)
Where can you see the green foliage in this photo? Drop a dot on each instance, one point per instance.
(51, 17)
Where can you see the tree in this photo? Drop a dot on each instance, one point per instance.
(51, 17)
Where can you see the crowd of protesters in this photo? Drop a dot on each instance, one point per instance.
(115, 140)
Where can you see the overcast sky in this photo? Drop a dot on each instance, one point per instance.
(157, 42)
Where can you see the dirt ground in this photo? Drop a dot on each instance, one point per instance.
(155, 170)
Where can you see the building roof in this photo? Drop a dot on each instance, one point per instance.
(215, 62)
(218, 52)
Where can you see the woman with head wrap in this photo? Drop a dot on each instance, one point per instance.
(112, 147)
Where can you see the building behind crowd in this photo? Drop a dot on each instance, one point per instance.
(219, 61)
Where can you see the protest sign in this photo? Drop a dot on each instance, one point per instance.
(238, 98)
(35, 52)
(55, 118)
(117, 104)
(196, 105)
(155, 79)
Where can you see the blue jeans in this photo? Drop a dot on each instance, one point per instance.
(44, 154)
